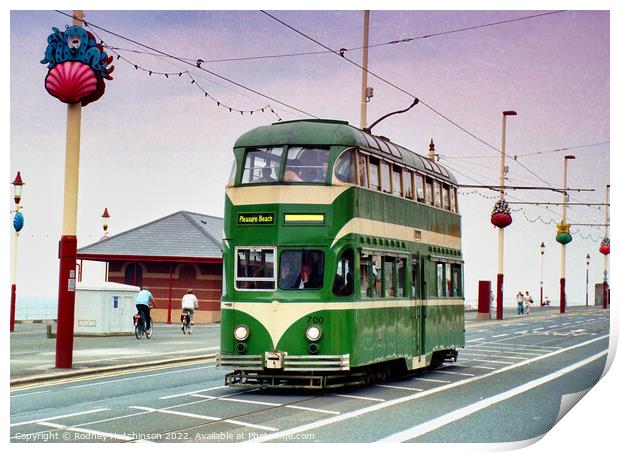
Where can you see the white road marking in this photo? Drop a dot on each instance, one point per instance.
(522, 332)
(463, 412)
(481, 367)
(399, 387)
(438, 381)
(311, 409)
(453, 372)
(30, 393)
(87, 431)
(191, 393)
(367, 398)
(476, 339)
(142, 376)
(383, 405)
(501, 351)
(500, 335)
(205, 417)
(555, 325)
(58, 417)
(540, 328)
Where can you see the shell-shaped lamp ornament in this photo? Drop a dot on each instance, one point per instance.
(18, 221)
(500, 217)
(563, 238)
(71, 81)
(77, 66)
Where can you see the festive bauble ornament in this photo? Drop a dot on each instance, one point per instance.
(563, 238)
(18, 221)
(604, 248)
(77, 66)
(500, 217)
(71, 81)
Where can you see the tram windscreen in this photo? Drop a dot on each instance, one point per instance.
(262, 165)
(301, 269)
(306, 164)
(255, 269)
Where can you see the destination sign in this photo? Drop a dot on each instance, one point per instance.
(256, 219)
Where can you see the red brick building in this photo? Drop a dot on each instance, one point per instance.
(168, 256)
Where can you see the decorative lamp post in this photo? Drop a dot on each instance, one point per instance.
(564, 237)
(604, 249)
(18, 224)
(502, 206)
(587, 276)
(542, 255)
(77, 67)
(105, 223)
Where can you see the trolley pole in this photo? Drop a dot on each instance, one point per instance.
(500, 254)
(68, 242)
(563, 246)
(364, 73)
(606, 257)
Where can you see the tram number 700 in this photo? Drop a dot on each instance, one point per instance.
(315, 320)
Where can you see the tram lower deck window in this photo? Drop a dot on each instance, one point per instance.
(301, 269)
(255, 269)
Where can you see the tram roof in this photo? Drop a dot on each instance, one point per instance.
(334, 132)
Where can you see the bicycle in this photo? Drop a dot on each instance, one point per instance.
(139, 328)
(186, 324)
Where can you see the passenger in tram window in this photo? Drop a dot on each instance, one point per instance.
(293, 169)
(266, 175)
(307, 278)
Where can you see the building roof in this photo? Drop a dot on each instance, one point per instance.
(181, 236)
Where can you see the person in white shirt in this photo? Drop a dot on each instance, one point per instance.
(189, 303)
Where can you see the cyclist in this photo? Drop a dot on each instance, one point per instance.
(144, 303)
(188, 304)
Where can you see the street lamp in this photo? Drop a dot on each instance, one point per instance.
(542, 254)
(500, 253)
(105, 223)
(587, 276)
(563, 246)
(18, 223)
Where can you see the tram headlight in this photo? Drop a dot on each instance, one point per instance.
(241, 332)
(313, 333)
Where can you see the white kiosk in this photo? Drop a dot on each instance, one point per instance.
(104, 308)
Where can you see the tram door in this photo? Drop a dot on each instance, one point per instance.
(417, 314)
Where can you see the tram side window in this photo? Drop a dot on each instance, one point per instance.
(386, 177)
(396, 173)
(388, 273)
(362, 170)
(255, 269)
(305, 164)
(449, 288)
(419, 188)
(262, 165)
(365, 277)
(377, 276)
(407, 189)
(457, 289)
(343, 281)
(344, 168)
(414, 279)
(373, 172)
(446, 197)
(437, 194)
(429, 191)
(441, 284)
(400, 277)
(301, 269)
(455, 203)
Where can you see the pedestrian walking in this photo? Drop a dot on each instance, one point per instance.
(528, 302)
(520, 299)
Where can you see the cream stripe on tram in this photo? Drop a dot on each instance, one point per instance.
(278, 317)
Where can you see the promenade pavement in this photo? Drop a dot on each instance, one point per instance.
(33, 353)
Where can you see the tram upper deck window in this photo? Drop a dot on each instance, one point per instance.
(305, 164)
(373, 173)
(262, 165)
(344, 168)
(386, 177)
(407, 187)
(301, 269)
(419, 187)
(255, 269)
(429, 191)
(437, 193)
(396, 173)
(362, 170)
(455, 202)
(447, 190)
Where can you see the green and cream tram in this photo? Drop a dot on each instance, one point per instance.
(342, 258)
